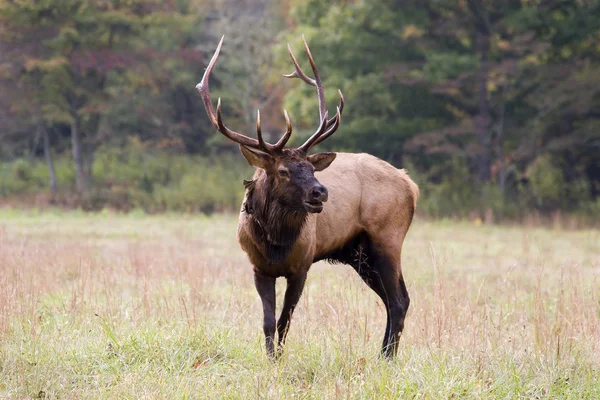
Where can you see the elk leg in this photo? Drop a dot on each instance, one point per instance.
(295, 285)
(382, 275)
(265, 286)
(396, 299)
(396, 315)
(372, 278)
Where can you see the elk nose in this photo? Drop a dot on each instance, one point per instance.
(319, 192)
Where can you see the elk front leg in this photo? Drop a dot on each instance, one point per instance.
(265, 286)
(295, 285)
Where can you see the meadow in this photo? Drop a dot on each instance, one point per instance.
(111, 306)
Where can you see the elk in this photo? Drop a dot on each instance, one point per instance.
(299, 209)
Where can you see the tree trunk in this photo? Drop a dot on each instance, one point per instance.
(81, 178)
(49, 161)
(482, 122)
(34, 146)
(483, 32)
(93, 130)
(89, 160)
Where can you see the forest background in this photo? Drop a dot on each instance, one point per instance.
(492, 106)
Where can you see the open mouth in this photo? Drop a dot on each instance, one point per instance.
(313, 207)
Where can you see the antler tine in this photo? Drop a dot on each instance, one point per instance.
(311, 140)
(203, 88)
(298, 73)
(318, 83)
(216, 120)
(333, 119)
(264, 146)
(331, 129)
(261, 142)
(286, 136)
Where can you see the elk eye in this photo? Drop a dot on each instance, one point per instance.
(283, 172)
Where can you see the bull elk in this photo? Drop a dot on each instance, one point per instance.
(284, 226)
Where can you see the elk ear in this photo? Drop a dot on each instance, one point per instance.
(321, 160)
(256, 158)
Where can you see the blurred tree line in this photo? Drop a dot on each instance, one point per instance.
(493, 106)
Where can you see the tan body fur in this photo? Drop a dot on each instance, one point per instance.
(366, 194)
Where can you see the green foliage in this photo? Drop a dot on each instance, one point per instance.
(157, 181)
(209, 185)
(448, 191)
(495, 104)
(20, 176)
(359, 47)
(551, 191)
(151, 181)
(452, 197)
(548, 185)
(440, 67)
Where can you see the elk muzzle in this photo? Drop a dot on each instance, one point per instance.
(317, 195)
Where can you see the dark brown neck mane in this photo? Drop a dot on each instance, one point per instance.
(274, 226)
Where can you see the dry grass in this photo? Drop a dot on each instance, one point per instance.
(103, 306)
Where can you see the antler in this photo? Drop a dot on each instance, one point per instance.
(326, 127)
(217, 121)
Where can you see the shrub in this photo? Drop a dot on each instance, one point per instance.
(152, 181)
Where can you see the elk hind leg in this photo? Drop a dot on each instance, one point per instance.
(380, 270)
(388, 270)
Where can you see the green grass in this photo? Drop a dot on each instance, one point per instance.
(100, 306)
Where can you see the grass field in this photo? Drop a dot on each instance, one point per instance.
(108, 307)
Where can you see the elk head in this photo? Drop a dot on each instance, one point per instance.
(289, 172)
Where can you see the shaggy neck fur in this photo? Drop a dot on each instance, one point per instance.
(275, 227)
